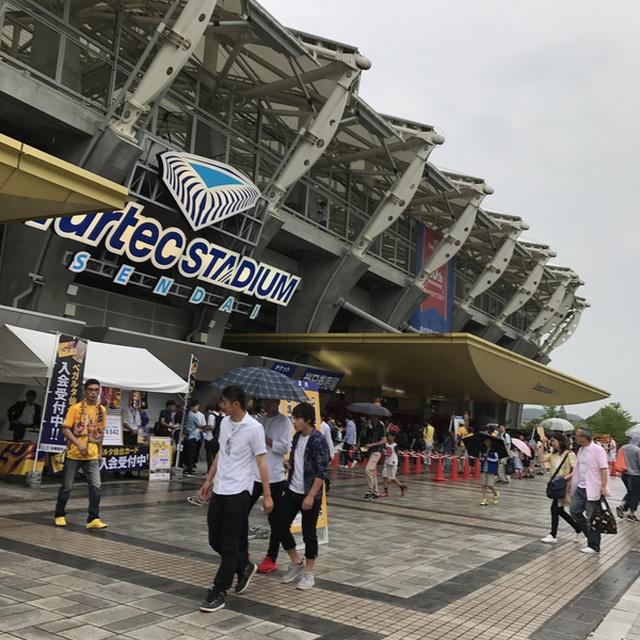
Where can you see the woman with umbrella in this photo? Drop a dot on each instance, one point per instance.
(562, 460)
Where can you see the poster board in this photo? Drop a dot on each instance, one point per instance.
(113, 431)
(160, 455)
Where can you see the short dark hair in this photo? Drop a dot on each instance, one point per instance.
(194, 402)
(31, 394)
(90, 382)
(305, 411)
(168, 403)
(235, 393)
(210, 407)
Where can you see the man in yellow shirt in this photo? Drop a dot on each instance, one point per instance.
(427, 433)
(83, 427)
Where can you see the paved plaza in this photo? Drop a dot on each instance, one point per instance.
(433, 564)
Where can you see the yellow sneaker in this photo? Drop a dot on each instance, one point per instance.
(61, 521)
(96, 524)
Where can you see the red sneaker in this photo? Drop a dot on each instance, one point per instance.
(267, 565)
(384, 494)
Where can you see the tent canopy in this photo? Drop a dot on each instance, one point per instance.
(26, 354)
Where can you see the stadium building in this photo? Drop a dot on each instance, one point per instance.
(271, 213)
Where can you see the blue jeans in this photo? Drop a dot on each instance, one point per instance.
(580, 504)
(631, 498)
(91, 469)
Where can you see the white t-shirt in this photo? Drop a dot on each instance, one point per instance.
(278, 429)
(28, 414)
(240, 443)
(391, 454)
(297, 479)
(326, 432)
(582, 470)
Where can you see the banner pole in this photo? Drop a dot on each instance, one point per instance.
(193, 368)
(52, 363)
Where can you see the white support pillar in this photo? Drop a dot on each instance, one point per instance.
(564, 331)
(549, 309)
(526, 289)
(178, 45)
(398, 197)
(561, 312)
(313, 139)
(496, 267)
(457, 235)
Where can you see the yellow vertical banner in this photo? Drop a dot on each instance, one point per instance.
(286, 407)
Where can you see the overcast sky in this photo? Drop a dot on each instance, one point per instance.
(542, 100)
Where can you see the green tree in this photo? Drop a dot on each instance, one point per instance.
(611, 419)
(552, 411)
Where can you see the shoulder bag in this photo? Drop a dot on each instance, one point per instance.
(603, 520)
(557, 487)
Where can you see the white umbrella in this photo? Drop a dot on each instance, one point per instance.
(631, 430)
(557, 424)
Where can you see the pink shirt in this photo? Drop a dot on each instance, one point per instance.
(596, 460)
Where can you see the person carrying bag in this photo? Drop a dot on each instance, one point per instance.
(557, 487)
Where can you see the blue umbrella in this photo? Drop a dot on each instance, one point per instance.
(261, 382)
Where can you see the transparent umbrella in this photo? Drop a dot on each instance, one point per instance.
(557, 424)
(631, 430)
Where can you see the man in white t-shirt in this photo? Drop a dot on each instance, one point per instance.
(242, 446)
(277, 435)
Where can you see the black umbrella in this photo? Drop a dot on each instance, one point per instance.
(261, 382)
(369, 408)
(475, 444)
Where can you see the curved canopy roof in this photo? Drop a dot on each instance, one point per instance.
(452, 366)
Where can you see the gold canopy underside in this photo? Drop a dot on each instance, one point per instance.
(34, 184)
(452, 366)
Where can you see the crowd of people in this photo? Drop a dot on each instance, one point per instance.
(251, 457)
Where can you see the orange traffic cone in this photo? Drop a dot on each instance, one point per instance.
(406, 465)
(614, 471)
(418, 467)
(439, 473)
(476, 469)
(466, 471)
(334, 462)
(454, 470)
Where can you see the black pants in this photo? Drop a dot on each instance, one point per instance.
(558, 512)
(211, 448)
(189, 455)
(225, 519)
(290, 506)
(18, 431)
(277, 489)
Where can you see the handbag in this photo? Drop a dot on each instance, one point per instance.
(557, 487)
(603, 520)
(510, 467)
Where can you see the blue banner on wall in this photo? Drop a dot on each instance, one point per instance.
(434, 314)
(327, 381)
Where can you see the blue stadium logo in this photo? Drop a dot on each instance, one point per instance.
(207, 191)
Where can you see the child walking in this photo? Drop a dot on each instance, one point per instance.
(390, 467)
(489, 471)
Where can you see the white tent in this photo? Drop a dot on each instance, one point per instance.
(26, 354)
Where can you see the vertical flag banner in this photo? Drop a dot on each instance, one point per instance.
(193, 372)
(65, 389)
(434, 314)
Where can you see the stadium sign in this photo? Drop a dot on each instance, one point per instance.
(206, 193)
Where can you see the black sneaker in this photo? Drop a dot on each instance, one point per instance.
(620, 511)
(213, 601)
(245, 578)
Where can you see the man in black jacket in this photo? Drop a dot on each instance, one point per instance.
(23, 415)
